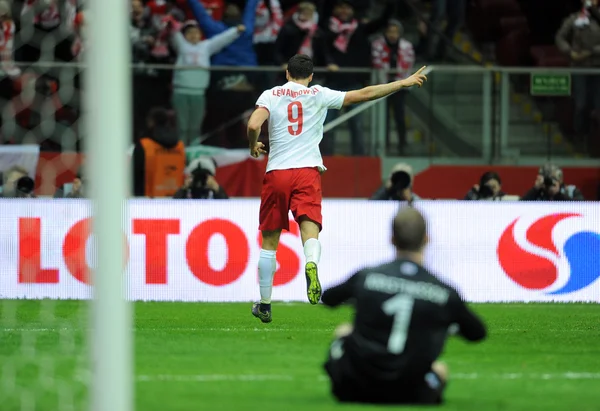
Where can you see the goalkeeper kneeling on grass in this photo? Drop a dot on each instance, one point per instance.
(403, 315)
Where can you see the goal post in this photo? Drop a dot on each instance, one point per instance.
(108, 121)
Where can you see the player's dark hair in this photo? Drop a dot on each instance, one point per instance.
(300, 67)
(409, 230)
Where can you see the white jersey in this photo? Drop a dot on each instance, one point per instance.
(296, 117)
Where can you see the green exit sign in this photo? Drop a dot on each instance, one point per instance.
(550, 84)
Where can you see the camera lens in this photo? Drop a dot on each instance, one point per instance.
(400, 180)
(25, 185)
(485, 191)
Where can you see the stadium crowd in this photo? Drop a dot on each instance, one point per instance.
(171, 105)
(166, 33)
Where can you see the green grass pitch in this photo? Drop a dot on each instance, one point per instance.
(218, 357)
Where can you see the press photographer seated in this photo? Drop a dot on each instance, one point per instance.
(74, 189)
(549, 186)
(200, 182)
(489, 188)
(16, 183)
(398, 186)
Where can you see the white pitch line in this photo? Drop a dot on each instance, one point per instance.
(214, 377)
(456, 376)
(261, 329)
(184, 329)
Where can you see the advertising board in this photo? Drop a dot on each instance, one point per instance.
(208, 250)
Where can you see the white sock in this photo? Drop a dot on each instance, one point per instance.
(312, 250)
(267, 264)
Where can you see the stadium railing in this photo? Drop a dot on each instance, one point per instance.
(467, 112)
(488, 114)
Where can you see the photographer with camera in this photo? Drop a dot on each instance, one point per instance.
(398, 186)
(73, 190)
(489, 188)
(200, 182)
(16, 183)
(549, 186)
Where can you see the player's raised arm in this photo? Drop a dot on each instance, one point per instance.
(257, 119)
(381, 90)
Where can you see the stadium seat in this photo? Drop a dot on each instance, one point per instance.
(548, 56)
(593, 145)
(564, 111)
(484, 17)
(545, 16)
(513, 48)
(513, 23)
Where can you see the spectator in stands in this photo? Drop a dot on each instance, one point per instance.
(150, 87)
(49, 20)
(391, 51)
(489, 188)
(453, 13)
(398, 186)
(7, 36)
(364, 10)
(214, 8)
(161, 13)
(142, 32)
(161, 9)
(298, 34)
(200, 182)
(268, 23)
(346, 44)
(240, 52)
(17, 183)
(81, 36)
(374, 8)
(579, 37)
(549, 186)
(189, 86)
(158, 158)
(7, 65)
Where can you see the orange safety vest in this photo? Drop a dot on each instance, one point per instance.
(164, 168)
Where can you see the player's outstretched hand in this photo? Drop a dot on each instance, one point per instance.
(416, 79)
(257, 150)
(241, 28)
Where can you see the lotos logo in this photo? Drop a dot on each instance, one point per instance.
(537, 264)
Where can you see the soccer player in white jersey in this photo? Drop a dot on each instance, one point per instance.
(296, 113)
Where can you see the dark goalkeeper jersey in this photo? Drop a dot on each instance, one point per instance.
(403, 317)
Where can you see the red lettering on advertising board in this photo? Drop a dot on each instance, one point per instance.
(156, 232)
(157, 260)
(289, 263)
(74, 250)
(30, 270)
(238, 252)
